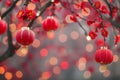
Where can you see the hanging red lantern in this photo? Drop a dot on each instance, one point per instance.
(56, 1)
(25, 36)
(104, 56)
(50, 23)
(3, 27)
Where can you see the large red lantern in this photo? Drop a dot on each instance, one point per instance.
(50, 23)
(104, 56)
(3, 27)
(25, 36)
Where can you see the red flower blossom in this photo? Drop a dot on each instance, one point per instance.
(97, 4)
(104, 32)
(117, 39)
(90, 22)
(26, 14)
(104, 10)
(73, 18)
(30, 14)
(92, 35)
(20, 14)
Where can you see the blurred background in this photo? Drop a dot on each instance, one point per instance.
(64, 54)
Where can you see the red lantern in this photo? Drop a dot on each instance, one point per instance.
(50, 23)
(3, 27)
(25, 36)
(56, 1)
(104, 56)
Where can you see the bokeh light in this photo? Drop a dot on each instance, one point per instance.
(103, 68)
(22, 52)
(64, 65)
(89, 47)
(62, 38)
(12, 27)
(31, 6)
(67, 19)
(87, 74)
(46, 75)
(5, 40)
(53, 61)
(116, 58)
(8, 75)
(85, 11)
(43, 52)
(2, 70)
(56, 70)
(36, 43)
(82, 64)
(106, 73)
(74, 35)
(19, 74)
(50, 34)
(88, 38)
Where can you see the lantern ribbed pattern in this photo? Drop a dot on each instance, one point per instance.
(25, 36)
(103, 56)
(50, 23)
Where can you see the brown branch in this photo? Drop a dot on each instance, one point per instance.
(109, 6)
(10, 9)
(27, 2)
(10, 51)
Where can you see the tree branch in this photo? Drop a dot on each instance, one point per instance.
(10, 9)
(10, 51)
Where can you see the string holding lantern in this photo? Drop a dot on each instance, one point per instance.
(50, 24)
(25, 36)
(3, 27)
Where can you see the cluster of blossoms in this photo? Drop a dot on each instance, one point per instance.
(26, 14)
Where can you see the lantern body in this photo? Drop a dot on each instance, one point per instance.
(103, 56)
(3, 27)
(56, 1)
(50, 23)
(25, 36)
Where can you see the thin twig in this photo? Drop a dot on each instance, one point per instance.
(10, 9)
(69, 8)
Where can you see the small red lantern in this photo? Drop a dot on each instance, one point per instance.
(50, 23)
(25, 36)
(3, 27)
(104, 56)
